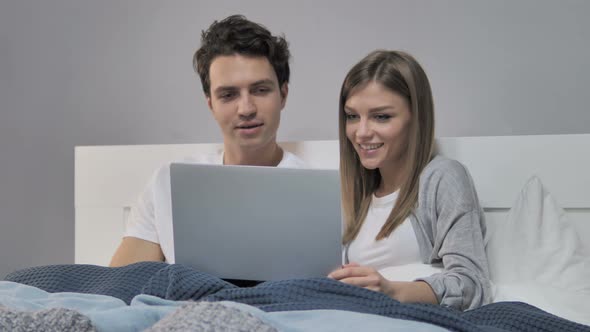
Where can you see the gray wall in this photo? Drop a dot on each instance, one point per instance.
(119, 72)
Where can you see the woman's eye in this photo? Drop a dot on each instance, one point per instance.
(350, 116)
(382, 117)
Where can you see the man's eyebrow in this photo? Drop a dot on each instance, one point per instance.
(220, 89)
(224, 88)
(263, 82)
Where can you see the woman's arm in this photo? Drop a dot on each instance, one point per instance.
(454, 229)
(412, 292)
(368, 277)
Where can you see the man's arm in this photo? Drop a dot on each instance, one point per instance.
(133, 250)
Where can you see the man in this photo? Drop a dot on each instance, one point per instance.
(244, 71)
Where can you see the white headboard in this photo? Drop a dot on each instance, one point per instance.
(109, 178)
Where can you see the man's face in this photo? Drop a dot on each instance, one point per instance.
(246, 100)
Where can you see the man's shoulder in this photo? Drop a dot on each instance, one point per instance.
(162, 174)
(213, 158)
(292, 161)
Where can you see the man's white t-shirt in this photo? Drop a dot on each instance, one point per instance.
(150, 218)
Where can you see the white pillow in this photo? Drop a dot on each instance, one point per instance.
(536, 257)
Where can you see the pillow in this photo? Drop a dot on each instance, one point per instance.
(537, 257)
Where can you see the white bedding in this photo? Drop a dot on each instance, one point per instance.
(108, 178)
(537, 257)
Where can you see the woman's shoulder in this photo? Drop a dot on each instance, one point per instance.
(445, 168)
(449, 177)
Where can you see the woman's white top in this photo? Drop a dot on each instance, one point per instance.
(399, 248)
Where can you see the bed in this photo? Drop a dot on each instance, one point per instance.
(535, 191)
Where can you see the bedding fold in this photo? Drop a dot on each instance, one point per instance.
(178, 283)
(49, 320)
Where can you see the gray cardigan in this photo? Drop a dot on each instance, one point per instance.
(450, 228)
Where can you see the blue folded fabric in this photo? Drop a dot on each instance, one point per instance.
(179, 282)
(106, 313)
(120, 282)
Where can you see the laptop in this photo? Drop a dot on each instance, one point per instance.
(256, 223)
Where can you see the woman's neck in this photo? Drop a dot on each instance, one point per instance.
(392, 179)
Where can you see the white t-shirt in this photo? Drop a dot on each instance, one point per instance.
(150, 218)
(400, 248)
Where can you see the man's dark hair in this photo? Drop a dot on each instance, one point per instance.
(237, 35)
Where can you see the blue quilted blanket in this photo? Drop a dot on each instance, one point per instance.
(178, 282)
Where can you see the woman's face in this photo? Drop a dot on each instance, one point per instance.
(377, 125)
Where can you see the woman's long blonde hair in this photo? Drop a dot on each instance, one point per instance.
(400, 73)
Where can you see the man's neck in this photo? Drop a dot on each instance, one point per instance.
(270, 155)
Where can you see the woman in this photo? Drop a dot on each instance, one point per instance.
(402, 204)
